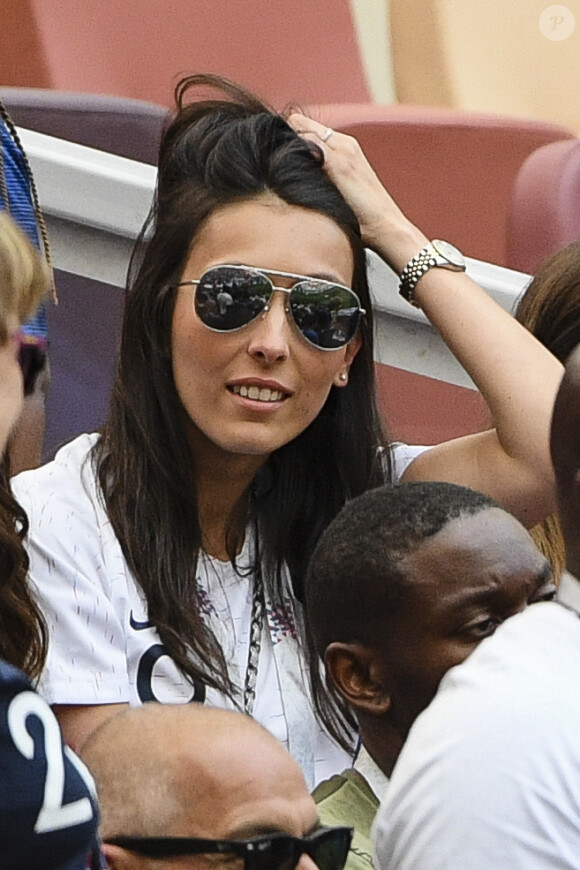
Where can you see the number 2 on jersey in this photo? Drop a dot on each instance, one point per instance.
(53, 815)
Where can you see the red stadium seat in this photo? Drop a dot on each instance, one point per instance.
(303, 50)
(544, 212)
(451, 171)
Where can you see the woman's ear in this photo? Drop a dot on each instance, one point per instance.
(350, 351)
(357, 675)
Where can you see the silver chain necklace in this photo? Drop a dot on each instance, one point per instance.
(256, 624)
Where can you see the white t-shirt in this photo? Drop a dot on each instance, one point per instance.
(102, 648)
(489, 778)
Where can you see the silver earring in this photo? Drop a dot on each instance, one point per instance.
(343, 377)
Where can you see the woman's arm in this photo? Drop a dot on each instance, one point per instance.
(516, 375)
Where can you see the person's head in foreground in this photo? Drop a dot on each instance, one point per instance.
(24, 279)
(190, 786)
(403, 585)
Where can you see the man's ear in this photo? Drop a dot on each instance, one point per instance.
(357, 675)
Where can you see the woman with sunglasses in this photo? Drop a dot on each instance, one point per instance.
(169, 551)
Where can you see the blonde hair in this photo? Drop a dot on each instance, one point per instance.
(24, 275)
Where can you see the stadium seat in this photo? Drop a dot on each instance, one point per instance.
(130, 128)
(299, 51)
(451, 171)
(544, 213)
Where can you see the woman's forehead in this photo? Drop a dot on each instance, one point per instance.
(268, 233)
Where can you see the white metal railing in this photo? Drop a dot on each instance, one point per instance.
(95, 204)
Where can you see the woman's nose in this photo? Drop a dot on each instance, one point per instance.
(270, 333)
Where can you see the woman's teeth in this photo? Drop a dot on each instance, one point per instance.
(261, 395)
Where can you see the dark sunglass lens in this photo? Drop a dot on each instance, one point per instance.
(32, 360)
(329, 850)
(228, 298)
(327, 315)
(275, 853)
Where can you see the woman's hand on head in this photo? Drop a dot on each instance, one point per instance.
(384, 227)
(511, 463)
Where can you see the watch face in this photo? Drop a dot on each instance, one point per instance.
(450, 252)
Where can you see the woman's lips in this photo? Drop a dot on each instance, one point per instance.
(258, 394)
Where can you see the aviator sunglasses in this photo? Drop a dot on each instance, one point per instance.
(328, 848)
(228, 298)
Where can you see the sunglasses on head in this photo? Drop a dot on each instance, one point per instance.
(328, 848)
(227, 298)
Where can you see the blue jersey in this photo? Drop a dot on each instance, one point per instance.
(48, 810)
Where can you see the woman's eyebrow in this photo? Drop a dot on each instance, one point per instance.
(319, 276)
(328, 276)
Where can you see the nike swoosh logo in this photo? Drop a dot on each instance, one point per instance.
(138, 626)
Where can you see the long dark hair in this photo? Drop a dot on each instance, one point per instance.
(550, 310)
(550, 306)
(23, 636)
(219, 151)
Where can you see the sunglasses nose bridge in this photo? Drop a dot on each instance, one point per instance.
(275, 290)
(270, 336)
(286, 290)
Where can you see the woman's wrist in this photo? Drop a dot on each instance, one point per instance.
(396, 242)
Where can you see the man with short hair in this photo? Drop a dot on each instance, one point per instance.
(181, 786)
(404, 584)
(490, 774)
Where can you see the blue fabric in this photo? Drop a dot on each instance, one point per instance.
(21, 208)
